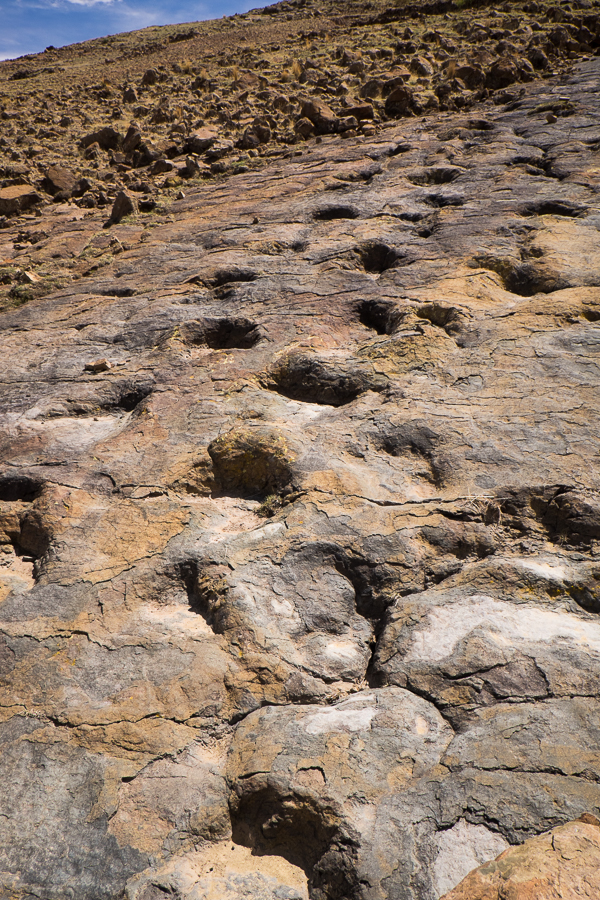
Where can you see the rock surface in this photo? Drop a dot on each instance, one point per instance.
(562, 864)
(299, 484)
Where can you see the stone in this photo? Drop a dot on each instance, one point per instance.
(218, 149)
(150, 77)
(30, 278)
(396, 78)
(132, 139)
(100, 365)
(201, 140)
(473, 76)
(361, 111)
(372, 88)
(262, 129)
(538, 58)
(346, 123)
(230, 871)
(502, 73)
(123, 205)
(399, 102)
(107, 138)
(59, 180)
(463, 847)
(564, 862)
(321, 115)
(161, 166)
(421, 66)
(301, 769)
(17, 198)
(93, 151)
(304, 127)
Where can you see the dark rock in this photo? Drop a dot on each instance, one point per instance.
(58, 179)
(304, 127)
(472, 76)
(502, 73)
(421, 66)
(399, 102)
(132, 140)
(150, 77)
(361, 111)
(123, 205)
(106, 138)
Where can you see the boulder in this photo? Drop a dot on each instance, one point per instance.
(421, 66)
(219, 148)
(304, 127)
(132, 139)
(399, 102)
(361, 111)
(149, 77)
(502, 73)
(17, 198)
(200, 140)
(123, 206)
(473, 76)
(107, 138)
(58, 180)
(321, 115)
(354, 779)
(562, 864)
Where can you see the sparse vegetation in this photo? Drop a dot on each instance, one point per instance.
(169, 82)
(269, 506)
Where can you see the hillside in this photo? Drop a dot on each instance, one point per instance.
(299, 482)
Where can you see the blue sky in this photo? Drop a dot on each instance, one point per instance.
(28, 26)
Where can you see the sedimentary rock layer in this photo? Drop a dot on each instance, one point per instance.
(300, 522)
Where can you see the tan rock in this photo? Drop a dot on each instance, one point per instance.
(100, 365)
(17, 198)
(562, 864)
(321, 115)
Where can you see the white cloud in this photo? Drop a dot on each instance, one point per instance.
(64, 4)
(91, 2)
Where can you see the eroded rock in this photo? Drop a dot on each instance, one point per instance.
(299, 579)
(562, 862)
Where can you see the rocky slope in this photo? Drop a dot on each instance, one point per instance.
(155, 110)
(299, 497)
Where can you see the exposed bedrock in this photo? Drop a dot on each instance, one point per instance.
(300, 524)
